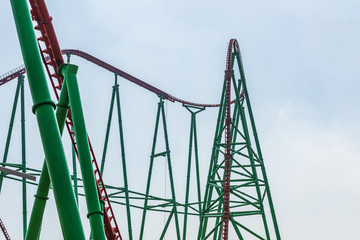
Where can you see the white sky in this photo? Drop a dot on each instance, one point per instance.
(300, 60)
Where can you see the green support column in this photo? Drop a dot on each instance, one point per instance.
(12, 118)
(23, 153)
(95, 214)
(257, 143)
(166, 153)
(116, 93)
(73, 155)
(248, 184)
(44, 110)
(126, 185)
(42, 192)
(193, 139)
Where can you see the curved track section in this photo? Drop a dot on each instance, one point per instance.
(133, 79)
(21, 70)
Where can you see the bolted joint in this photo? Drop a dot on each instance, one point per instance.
(45, 102)
(66, 68)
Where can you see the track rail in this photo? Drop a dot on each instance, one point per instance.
(6, 234)
(53, 59)
(56, 83)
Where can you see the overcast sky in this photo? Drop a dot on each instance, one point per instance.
(301, 62)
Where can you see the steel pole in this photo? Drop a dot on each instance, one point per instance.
(126, 185)
(44, 110)
(42, 192)
(23, 152)
(95, 214)
(12, 118)
(257, 143)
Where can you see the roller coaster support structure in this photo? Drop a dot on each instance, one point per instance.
(19, 90)
(193, 140)
(171, 203)
(237, 185)
(116, 95)
(44, 110)
(92, 201)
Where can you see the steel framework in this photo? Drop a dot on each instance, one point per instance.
(237, 201)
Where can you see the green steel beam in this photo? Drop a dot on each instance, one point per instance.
(12, 118)
(193, 138)
(42, 192)
(95, 214)
(123, 160)
(166, 153)
(257, 143)
(23, 153)
(44, 110)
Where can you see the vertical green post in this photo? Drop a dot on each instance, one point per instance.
(115, 93)
(126, 185)
(73, 156)
(44, 110)
(166, 154)
(23, 152)
(12, 118)
(95, 214)
(193, 138)
(73, 153)
(171, 178)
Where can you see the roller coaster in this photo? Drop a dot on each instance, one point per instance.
(235, 202)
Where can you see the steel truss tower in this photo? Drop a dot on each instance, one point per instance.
(237, 195)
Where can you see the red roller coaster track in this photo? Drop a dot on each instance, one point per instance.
(6, 234)
(21, 70)
(53, 59)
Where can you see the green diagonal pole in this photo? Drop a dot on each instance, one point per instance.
(42, 192)
(44, 110)
(95, 213)
(257, 143)
(12, 118)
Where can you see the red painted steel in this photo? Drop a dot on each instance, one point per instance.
(52, 58)
(6, 234)
(56, 82)
(227, 171)
(12, 74)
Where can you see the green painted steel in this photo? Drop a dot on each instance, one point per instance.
(166, 153)
(108, 129)
(95, 214)
(123, 160)
(116, 95)
(257, 143)
(44, 110)
(75, 178)
(73, 152)
(193, 140)
(248, 184)
(23, 153)
(214, 156)
(42, 193)
(11, 125)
